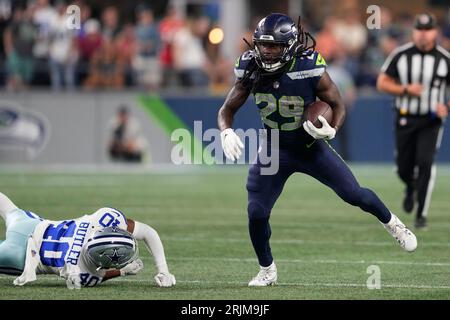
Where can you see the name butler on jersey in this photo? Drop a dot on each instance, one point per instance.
(61, 243)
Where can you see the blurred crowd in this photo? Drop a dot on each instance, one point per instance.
(347, 43)
(38, 48)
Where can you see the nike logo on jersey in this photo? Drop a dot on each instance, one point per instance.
(306, 74)
(308, 145)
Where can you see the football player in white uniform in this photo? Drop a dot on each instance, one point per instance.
(84, 251)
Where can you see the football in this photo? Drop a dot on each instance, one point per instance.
(315, 109)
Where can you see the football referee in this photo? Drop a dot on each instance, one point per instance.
(418, 73)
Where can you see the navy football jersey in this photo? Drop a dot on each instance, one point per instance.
(281, 97)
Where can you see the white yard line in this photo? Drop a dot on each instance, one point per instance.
(319, 261)
(286, 284)
(323, 284)
(300, 241)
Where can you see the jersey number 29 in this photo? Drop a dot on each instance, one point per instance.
(287, 106)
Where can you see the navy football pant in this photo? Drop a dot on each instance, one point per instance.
(322, 163)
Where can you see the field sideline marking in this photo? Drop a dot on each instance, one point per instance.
(360, 168)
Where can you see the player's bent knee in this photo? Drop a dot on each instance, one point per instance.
(404, 174)
(257, 211)
(12, 259)
(6, 205)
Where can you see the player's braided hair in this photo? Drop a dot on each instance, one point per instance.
(303, 38)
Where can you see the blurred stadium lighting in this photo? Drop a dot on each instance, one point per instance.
(216, 35)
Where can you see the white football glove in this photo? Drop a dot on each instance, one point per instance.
(326, 132)
(231, 144)
(73, 281)
(72, 276)
(165, 279)
(132, 268)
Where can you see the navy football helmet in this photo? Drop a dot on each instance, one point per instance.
(279, 30)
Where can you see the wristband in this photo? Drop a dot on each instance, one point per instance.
(405, 90)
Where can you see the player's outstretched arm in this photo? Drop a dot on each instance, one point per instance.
(327, 91)
(132, 268)
(235, 99)
(231, 143)
(144, 232)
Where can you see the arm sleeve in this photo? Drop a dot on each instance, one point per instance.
(153, 244)
(390, 65)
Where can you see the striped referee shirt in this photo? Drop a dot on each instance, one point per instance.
(407, 64)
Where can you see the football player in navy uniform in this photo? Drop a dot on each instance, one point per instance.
(284, 73)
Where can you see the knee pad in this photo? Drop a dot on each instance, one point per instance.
(256, 210)
(12, 258)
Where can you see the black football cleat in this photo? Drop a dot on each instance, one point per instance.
(421, 223)
(408, 201)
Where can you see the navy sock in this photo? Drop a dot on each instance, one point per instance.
(260, 232)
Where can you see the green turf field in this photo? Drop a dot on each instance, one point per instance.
(322, 246)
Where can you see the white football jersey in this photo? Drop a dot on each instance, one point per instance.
(60, 243)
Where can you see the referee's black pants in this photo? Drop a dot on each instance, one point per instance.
(417, 140)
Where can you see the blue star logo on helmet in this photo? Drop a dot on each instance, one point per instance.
(115, 257)
(111, 247)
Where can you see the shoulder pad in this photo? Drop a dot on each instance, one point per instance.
(243, 62)
(310, 64)
(313, 59)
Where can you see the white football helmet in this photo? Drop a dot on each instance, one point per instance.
(111, 247)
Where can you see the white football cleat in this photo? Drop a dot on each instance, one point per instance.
(403, 235)
(267, 276)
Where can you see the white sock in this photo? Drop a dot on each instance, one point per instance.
(393, 217)
(267, 268)
(6, 206)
